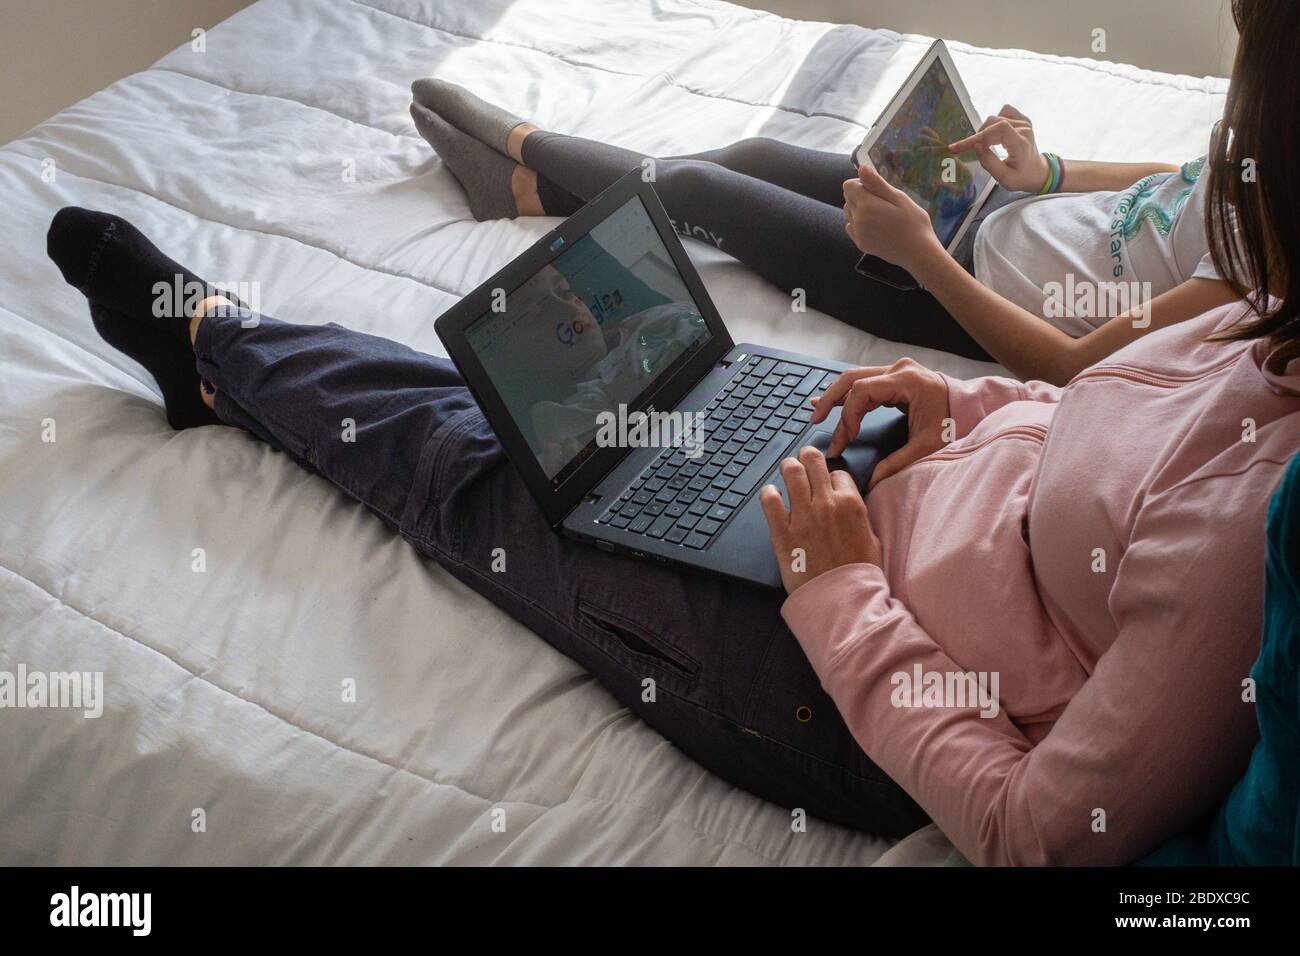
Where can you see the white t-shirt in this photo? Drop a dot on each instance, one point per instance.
(1079, 259)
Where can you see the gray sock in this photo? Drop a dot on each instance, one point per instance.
(468, 113)
(483, 172)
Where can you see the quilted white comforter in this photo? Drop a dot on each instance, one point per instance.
(225, 736)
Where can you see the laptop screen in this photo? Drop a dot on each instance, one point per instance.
(602, 325)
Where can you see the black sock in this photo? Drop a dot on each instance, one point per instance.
(168, 361)
(115, 267)
(113, 264)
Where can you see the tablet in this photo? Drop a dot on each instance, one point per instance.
(908, 146)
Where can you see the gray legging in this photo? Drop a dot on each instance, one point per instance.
(775, 207)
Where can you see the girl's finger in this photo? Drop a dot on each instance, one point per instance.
(846, 430)
(859, 194)
(970, 142)
(875, 184)
(778, 519)
(866, 396)
(834, 395)
(864, 205)
(990, 160)
(842, 482)
(819, 476)
(796, 484)
(997, 133)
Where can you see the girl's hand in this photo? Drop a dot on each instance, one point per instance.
(1025, 169)
(905, 384)
(884, 222)
(827, 525)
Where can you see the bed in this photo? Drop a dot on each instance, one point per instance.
(229, 598)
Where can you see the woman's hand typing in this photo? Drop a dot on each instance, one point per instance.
(907, 385)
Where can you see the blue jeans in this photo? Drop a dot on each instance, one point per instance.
(732, 686)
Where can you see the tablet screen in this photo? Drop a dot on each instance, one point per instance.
(911, 150)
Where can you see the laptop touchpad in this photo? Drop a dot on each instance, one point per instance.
(858, 459)
(880, 435)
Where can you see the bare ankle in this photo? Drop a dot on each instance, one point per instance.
(203, 308)
(515, 141)
(523, 183)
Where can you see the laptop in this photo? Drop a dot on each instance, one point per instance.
(908, 146)
(637, 424)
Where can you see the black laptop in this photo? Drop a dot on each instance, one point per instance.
(638, 425)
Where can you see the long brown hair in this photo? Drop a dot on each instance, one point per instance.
(1252, 210)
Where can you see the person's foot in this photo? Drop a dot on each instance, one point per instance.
(169, 362)
(112, 263)
(497, 186)
(489, 124)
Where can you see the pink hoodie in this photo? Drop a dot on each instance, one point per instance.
(1101, 549)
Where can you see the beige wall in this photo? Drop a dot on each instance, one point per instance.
(55, 52)
(1176, 36)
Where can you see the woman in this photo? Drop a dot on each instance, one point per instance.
(1133, 234)
(1093, 555)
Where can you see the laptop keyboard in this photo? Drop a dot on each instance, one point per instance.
(748, 427)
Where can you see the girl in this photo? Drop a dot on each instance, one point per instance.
(779, 209)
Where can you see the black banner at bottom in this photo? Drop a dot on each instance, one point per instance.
(334, 906)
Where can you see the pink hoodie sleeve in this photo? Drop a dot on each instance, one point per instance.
(1152, 741)
(970, 400)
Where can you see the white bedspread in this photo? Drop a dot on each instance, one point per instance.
(224, 687)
